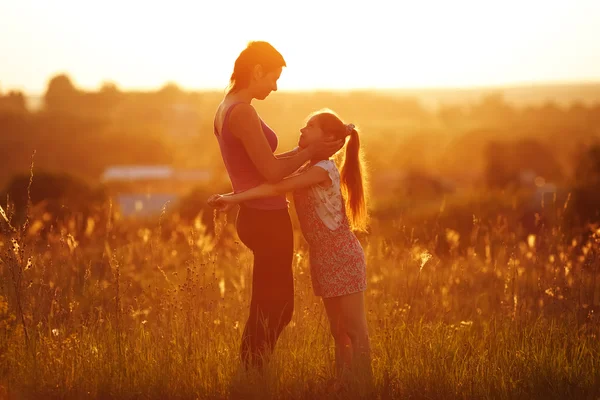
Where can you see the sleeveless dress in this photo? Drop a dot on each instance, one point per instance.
(337, 260)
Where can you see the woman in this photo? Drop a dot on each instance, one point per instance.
(247, 146)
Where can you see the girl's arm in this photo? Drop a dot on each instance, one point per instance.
(245, 124)
(312, 176)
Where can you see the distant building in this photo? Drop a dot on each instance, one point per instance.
(144, 205)
(145, 190)
(136, 172)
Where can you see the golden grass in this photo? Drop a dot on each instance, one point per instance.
(151, 311)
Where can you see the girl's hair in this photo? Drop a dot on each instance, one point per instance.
(353, 177)
(255, 53)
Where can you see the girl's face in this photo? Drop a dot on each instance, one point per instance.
(311, 133)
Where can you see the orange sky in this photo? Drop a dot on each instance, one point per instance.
(327, 44)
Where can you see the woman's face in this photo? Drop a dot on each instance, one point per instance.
(311, 133)
(266, 83)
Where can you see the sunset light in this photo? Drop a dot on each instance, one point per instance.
(327, 44)
(316, 199)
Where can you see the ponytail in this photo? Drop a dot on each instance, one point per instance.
(354, 183)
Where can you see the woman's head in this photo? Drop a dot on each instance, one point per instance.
(257, 69)
(324, 125)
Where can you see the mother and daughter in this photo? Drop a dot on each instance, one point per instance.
(330, 204)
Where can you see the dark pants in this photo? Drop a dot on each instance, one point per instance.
(268, 233)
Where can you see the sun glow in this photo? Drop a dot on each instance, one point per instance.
(333, 44)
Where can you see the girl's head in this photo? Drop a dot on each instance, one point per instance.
(257, 69)
(325, 125)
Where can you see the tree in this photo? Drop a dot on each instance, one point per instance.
(13, 102)
(60, 95)
(170, 92)
(509, 162)
(586, 186)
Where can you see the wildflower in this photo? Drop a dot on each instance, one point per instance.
(453, 238)
(222, 287)
(89, 227)
(35, 227)
(425, 256)
(531, 241)
(72, 243)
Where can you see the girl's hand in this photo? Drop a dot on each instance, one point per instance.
(220, 202)
(325, 149)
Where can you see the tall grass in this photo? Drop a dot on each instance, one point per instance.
(109, 308)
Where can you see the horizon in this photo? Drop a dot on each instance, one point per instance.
(507, 86)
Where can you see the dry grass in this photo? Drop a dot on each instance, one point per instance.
(105, 308)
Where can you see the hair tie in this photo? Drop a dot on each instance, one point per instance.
(350, 128)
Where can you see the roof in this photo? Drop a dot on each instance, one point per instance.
(133, 172)
(141, 172)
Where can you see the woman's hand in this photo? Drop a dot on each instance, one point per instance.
(325, 149)
(220, 202)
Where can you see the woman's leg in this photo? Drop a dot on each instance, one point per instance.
(269, 235)
(343, 345)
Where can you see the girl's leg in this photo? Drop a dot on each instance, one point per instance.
(354, 320)
(343, 345)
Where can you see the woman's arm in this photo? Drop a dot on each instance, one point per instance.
(290, 153)
(245, 124)
(312, 176)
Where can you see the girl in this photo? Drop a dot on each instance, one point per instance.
(330, 204)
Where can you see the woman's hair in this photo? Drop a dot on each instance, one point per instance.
(353, 177)
(255, 53)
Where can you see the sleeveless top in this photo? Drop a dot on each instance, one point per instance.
(242, 172)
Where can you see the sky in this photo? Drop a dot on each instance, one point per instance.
(327, 44)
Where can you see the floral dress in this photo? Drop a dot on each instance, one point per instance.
(337, 260)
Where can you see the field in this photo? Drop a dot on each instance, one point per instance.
(481, 283)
